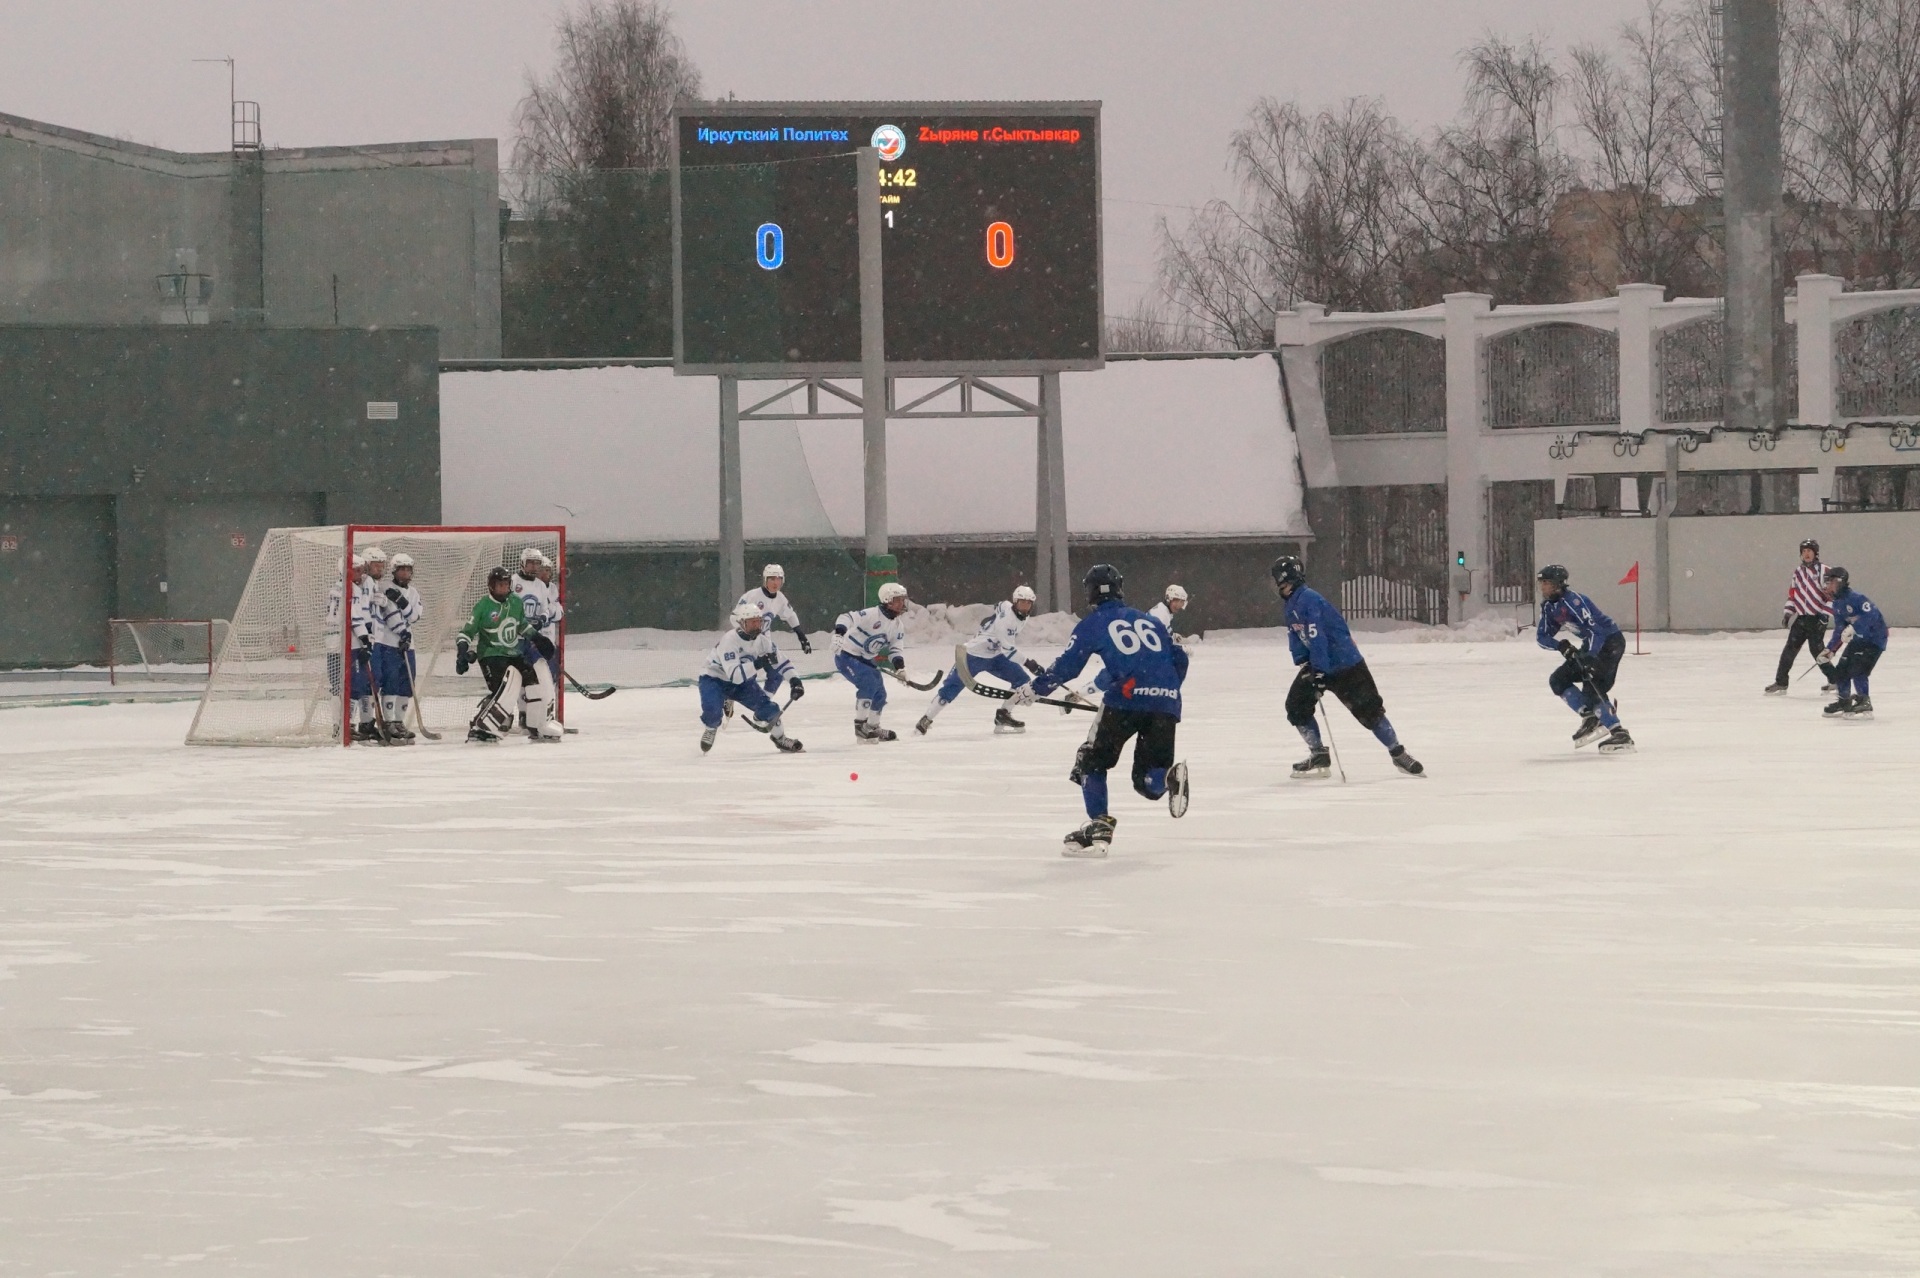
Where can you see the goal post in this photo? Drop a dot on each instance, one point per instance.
(284, 674)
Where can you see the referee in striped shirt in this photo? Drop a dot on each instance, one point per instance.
(1806, 614)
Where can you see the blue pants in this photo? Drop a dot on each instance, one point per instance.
(714, 696)
(1003, 668)
(360, 678)
(869, 686)
(1856, 665)
(393, 670)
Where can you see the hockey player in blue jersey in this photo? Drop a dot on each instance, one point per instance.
(862, 639)
(1323, 649)
(1144, 669)
(1592, 644)
(993, 650)
(1852, 610)
(733, 671)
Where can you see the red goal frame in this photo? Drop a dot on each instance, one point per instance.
(559, 533)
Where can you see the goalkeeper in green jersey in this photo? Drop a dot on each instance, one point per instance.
(495, 637)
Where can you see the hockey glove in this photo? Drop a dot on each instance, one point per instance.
(1022, 695)
(395, 598)
(543, 645)
(1034, 667)
(795, 689)
(763, 663)
(365, 644)
(406, 642)
(1318, 678)
(1568, 651)
(899, 663)
(805, 646)
(463, 657)
(840, 630)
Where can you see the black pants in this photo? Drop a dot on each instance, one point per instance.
(1605, 665)
(1153, 750)
(1353, 686)
(1857, 661)
(1810, 630)
(495, 670)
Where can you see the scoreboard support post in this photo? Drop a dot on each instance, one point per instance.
(1052, 575)
(733, 528)
(873, 360)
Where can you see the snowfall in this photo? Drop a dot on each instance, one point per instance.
(613, 1006)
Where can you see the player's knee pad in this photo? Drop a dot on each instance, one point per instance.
(1560, 680)
(1370, 712)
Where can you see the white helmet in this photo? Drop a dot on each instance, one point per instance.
(1026, 593)
(375, 555)
(532, 555)
(773, 570)
(402, 561)
(1177, 592)
(891, 591)
(745, 612)
(359, 561)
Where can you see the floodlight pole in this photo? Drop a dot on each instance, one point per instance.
(733, 535)
(881, 566)
(1052, 577)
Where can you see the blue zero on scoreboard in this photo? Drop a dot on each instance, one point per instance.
(990, 226)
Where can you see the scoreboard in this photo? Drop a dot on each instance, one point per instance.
(990, 218)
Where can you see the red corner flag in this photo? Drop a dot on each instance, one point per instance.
(1633, 575)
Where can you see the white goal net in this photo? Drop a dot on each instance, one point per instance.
(162, 649)
(278, 678)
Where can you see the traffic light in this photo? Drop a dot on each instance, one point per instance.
(1462, 576)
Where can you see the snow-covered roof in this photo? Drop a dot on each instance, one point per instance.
(1193, 447)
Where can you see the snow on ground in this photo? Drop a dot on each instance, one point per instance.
(615, 1007)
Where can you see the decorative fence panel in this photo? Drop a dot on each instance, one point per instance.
(1383, 382)
(1877, 364)
(1393, 552)
(1553, 375)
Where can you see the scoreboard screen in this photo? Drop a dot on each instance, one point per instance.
(990, 217)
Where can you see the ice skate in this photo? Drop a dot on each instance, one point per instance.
(1617, 742)
(1591, 729)
(788, 745)
(547, 731)
(1775, 689)
(1406, 762)
(1861, 708)
(1178, 794)
(1090, 840)
(480, 734)
(367, 731)
(868, 733)
(1317, 764)
(1004, 722)
(706, 739)
(926, 722)
(1838, 707)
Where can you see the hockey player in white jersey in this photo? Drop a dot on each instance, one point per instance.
(373, 566)
(541, 602)
(771, 599)
(862, 639)
(395, 607)
(337, 596)
(1175, 601)
(995, 650)
(733, 671)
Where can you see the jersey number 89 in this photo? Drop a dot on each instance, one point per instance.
(1131, 637)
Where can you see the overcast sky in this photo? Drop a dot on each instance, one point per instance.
(1175, 75)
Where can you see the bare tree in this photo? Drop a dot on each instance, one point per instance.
(1323, 217)
(618, 72)
(1861, 118)
(1150, 326)
(1638, 107)
(589, 272)
(1485, 189)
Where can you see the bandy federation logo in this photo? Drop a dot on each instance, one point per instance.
(891, 141)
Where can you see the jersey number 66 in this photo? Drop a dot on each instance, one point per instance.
(1131, 637)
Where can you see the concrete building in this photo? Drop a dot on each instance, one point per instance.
(98, 231)
(140, 466)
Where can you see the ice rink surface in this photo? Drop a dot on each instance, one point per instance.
(612, 1007)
